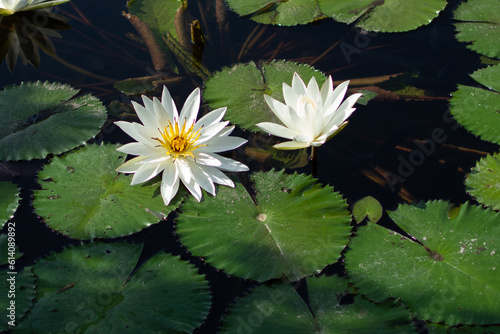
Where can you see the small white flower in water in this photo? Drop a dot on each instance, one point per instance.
(9, 7)
(179, 146)
(310, 116)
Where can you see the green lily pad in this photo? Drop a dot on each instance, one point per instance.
(16, 300)
(8, 202)
(478, 109)
(383, 16)
(279, 309)
(241, 89)
(10, 251)
(367, 207)
(83, 197)
(94, 288)
(481, 26)
(441, 329)
(38, 119)
(297, 228)
(451, 276)
(483, 182)
(283, 13)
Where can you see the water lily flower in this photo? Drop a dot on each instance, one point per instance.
(310, 116)
(179, 146)
(9, 7)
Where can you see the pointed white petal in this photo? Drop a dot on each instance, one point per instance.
(136, 131)
(313, 91)
(230, 165)
(226, 131)
(276, 130)
(158, 157)
(211, 118)
(334, 99)
(130, 166)
(221, 144)
(345, 110)
(170, 182)
(168, 192)
(211, 131)
(145, 172)
(298, 85)
(168, 104)
(206, 159)
(190, 108)
(326, 89)
(291, 97)
(192, 186)
(201, 177)
(303, 139)
(137, 148)
(280, 110)
(218, 177)
(161, 115)
(146, 116)
(291, 145)
(183, 169)
(148, 104)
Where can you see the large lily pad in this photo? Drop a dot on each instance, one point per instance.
(383, 16)
(241, 89)
(483, 182)
(37, 119)
(8, 202)
(93, 288)
(297, 228)
(478, 109)
(450, 275)
(283, 13)
(481, 26)
(83, 196)
(279, 309)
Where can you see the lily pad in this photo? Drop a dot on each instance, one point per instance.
(21, 294)
(279, 309)
(296, 229)
(481, 26)
(83, 197)
(283, 13)
(8, 202)
(38, 119)
(450, 275)
(241, 89)
(10, 253)
(94, 288)
(383, 16)
(478, 109)
(483, 182)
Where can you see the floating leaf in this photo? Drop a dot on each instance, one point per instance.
(441, 329)
(42, 118)
(450, 276)
(367, 207)
(8, 202)
(92, 288)
(481, 26)
(297, 228)
(383, 16)
(283, 13)
(483, 182)
(478, 109)
(279, 309)
(9, 249)
(21, 293)
(83, 196)
(241, 89)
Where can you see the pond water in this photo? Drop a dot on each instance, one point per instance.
(98, 51)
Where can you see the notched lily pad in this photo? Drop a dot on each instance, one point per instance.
(92, 288)
(241, 89)
(83, 196)
(367, 207)
(450, 275)
(483, 182)
(9, 201)
(37, 119)
(297, 228)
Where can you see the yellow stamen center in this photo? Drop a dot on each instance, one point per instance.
(179, 142)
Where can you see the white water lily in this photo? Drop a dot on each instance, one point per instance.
(9, 7)
(310, 116)
(179, 146)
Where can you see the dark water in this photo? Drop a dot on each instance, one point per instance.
(380, 136)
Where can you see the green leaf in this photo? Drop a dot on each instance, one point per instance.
(38, 119)
(383, 16)
(92, 288)
(11, 251)
(83, 197)
(297, 228)
(450, 276)
(241, 89)
(22, 293)
(483, 182)
(367, 207)
(440, 329)
(279, 309)
(283, 13)
(9, 201)
(478, 109)
(481, 26)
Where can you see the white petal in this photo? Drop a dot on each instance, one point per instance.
(276, 130)
(146, 116)
(313, 90)
(230, 165)
(211, 131)
(148, 104)
(222, 144)
(226, 131)
(211, 118)
(190, 108)
(303, 139)
(130, 166)
(298, 85)
(191, 186)
(158, 157)
(326, 89)
(137, 148)
(162, 116)
(183, 169)
(136, 131)
(218, 176)
(168, 104)
(346, 109)
(291, 97)
(280, 110)
(169, 192)
(291, 145)
(201, 177)
(169, 183)
(145, 172)
(335, 99)
(207, 159)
